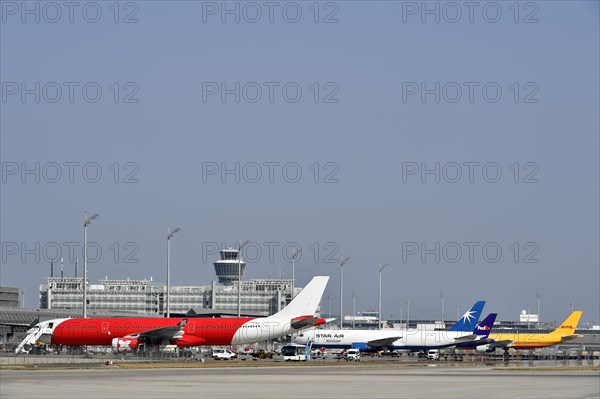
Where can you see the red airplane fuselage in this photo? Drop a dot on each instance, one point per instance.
(197, 331)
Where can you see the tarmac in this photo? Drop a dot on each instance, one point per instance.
(331, 381)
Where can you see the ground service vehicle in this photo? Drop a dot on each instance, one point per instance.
(223, 354)
(352, 354)
(294, 353)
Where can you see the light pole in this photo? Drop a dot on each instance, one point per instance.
(400, 314)
(381, 267)
(242, 245)
(329, 303)
(294, 256)
(442, 300)
(170, 235)
(86, 221)
(342, 263)
(354, 309)
(407, 314)
(537, 295)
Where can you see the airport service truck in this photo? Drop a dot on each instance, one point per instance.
(293, 353)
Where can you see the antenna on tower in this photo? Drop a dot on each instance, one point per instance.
(62, 268)
(76, 261)
(52, 268)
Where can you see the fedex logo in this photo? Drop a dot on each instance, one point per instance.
(483, 328)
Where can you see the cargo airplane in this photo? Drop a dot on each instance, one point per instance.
(125, 334)
(528, 340)
(464, 333)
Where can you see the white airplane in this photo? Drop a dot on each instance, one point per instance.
(465, 333)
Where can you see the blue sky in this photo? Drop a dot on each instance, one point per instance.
(362, 132)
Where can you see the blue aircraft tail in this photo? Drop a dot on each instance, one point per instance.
(484, 328)
(469, 320)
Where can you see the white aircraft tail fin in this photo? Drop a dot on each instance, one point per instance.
(307, 301)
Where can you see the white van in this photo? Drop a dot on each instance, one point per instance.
(433, 354)
(352, 354)
(223, 354)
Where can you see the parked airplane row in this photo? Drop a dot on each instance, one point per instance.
(125, 334)
(465, 333)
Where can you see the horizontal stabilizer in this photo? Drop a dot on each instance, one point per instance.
(466, 338)
(501, 344)
(566, 338)
(304, 321)
(308, 321)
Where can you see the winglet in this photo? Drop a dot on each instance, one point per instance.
(469, 320)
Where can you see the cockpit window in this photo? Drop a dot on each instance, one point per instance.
(50, 325)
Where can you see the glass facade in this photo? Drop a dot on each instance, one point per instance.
(9, 297)
(259, 296)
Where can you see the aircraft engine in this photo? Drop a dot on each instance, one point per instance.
(485, 349)
(362, 346)
(124, 345)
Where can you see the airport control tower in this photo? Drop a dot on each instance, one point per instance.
(227, 267)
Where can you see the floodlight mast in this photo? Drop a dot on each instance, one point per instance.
(381, 267)
(170, 235)
(342, 263)
(240, 246)
(294, 257)
(86, 222)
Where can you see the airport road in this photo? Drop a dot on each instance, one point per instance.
(360, 381)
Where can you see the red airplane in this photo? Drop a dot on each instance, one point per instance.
(125, 333)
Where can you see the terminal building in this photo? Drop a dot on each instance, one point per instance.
(9, 297)
(259, 297)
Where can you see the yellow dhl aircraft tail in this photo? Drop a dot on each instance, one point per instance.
(566, 331)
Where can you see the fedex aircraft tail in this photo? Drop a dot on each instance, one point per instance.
(469, 320)
(568, 326)
(484, 328)
(307, 301)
